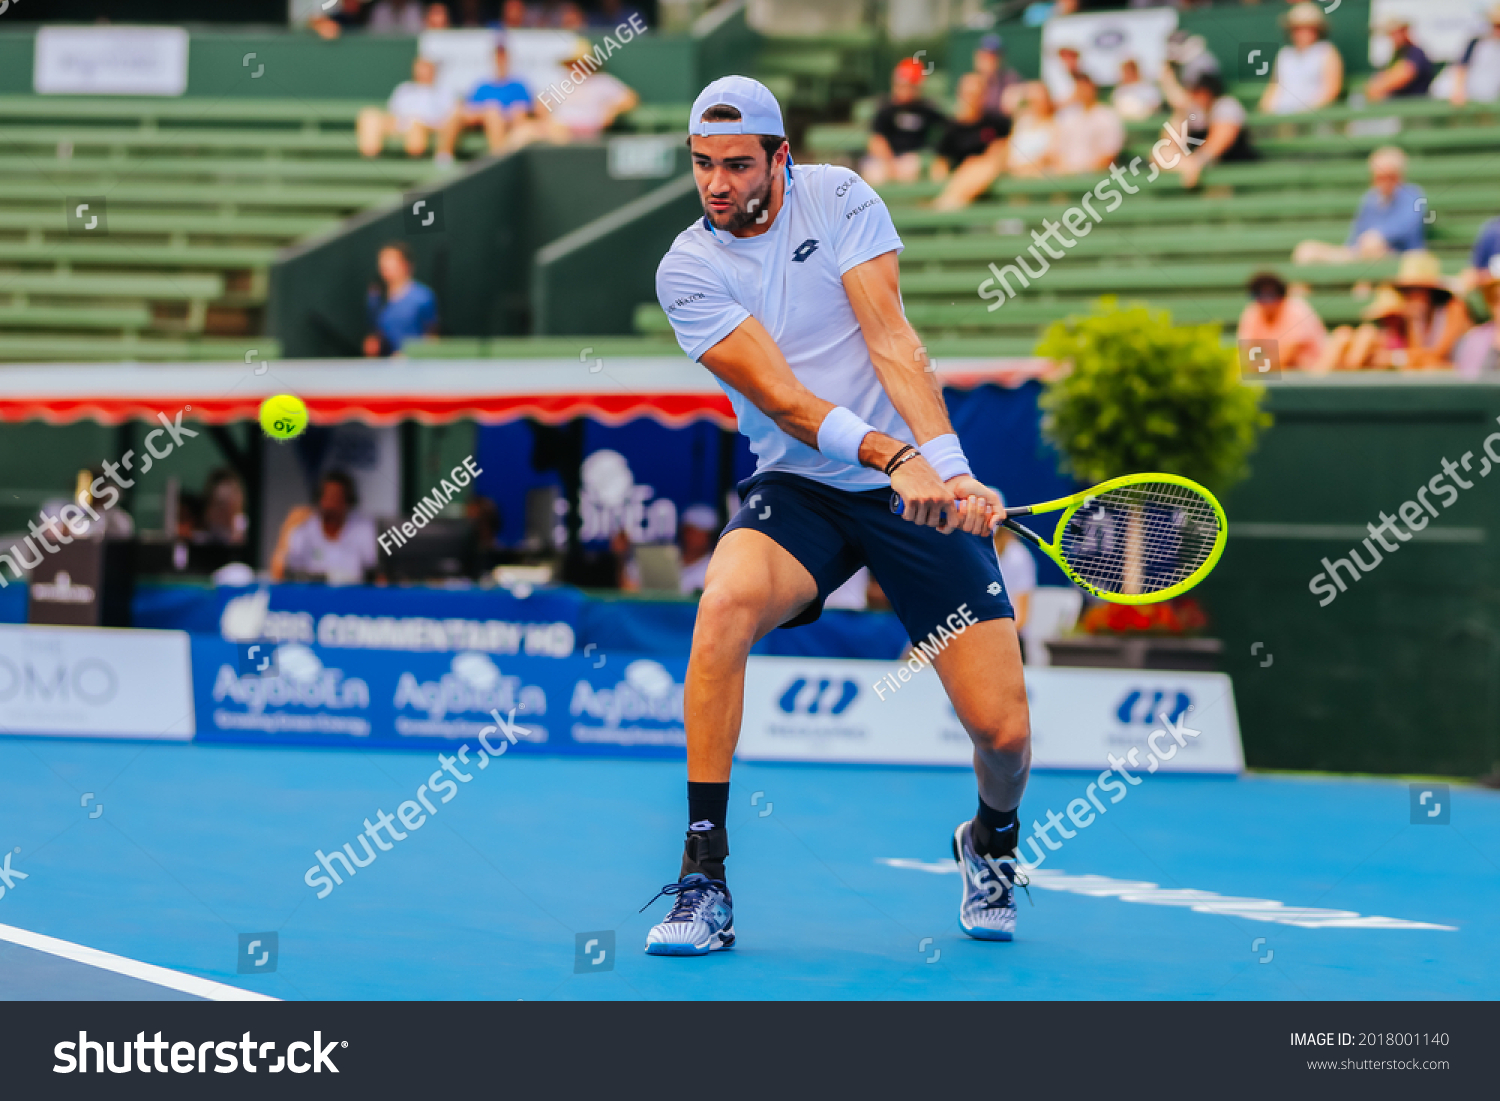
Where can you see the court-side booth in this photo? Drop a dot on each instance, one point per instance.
(552, 668)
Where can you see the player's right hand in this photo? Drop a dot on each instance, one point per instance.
(928, 501)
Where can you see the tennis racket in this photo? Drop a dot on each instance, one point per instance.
(1136, 539)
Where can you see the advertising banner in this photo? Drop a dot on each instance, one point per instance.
(296, 693)
(117, 61)
(95, 682)
(862, 712)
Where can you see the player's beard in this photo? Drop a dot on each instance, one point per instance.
(754, 208)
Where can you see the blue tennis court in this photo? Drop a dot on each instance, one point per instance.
(195, 867)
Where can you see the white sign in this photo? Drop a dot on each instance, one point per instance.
(1106, 39)
(1443, 28)
(111, 61)
(96, 682)
(809, 709)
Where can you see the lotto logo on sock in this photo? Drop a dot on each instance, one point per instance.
(594, 952)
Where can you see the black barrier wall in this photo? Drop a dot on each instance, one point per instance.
(1399, 670)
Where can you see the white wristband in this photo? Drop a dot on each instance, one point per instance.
(945, 456)
(840, 435)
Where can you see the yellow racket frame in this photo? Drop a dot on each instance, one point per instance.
(1072, 504)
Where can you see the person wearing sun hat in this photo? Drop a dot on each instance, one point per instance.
(1380, 342)
(1476, 75)
(1309, 73)
(1436, 317)
(1410, 71)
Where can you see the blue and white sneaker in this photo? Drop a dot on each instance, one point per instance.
(987, 910)
(700, 922)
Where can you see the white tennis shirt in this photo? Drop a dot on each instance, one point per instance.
(789, 279)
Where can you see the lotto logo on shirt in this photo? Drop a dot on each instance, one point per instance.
(804, 250)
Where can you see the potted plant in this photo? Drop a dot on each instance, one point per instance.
(1135, 393)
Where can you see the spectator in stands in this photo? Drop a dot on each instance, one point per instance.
(223, 518)
(345, 15)
(514, 16)
(596, 101)
(1090, 134)
(396, 17)
(404, 310)
(1308, 74)
(1410, 71)
(333, 544)
(1217, 121)
(1287, 322)
(1059, 76)
(416, 111)
(1476, 76)
(501, 106)
(1135, 99)
(472, 14)
(904, 125)
(695, 539)
(1381, 342)
(971, 152)
(437, 18)
(1484, 260)
(611, 13)
(1478, 350)
(1389, 217)
(1033, 138)
(1436, 317)
(1002, 84)
(1188, 58)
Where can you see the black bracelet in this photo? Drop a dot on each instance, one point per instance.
(905, 455)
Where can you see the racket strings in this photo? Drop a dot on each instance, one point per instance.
(1140, 539)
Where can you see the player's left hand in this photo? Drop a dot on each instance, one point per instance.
(978, 511)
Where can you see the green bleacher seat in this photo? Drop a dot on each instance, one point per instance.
(199, 194)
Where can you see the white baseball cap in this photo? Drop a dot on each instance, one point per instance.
(759, 111)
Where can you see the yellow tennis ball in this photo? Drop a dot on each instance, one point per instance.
(283, 416)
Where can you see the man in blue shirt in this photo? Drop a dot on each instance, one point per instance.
(1391, 217)
(501, 106)
(406, 311)
(1484, 261)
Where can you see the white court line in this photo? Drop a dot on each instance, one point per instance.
(1203, 902)
(135, 969)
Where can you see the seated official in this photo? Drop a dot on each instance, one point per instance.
(332, 543)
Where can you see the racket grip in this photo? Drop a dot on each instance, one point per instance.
(898, 507)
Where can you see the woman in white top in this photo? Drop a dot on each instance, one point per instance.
(1033, 141)
(1309, 73)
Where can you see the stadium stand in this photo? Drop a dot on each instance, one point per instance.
(198, 196)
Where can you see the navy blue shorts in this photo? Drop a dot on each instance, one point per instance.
(928, 576)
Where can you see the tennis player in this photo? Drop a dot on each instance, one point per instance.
(788, 290)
